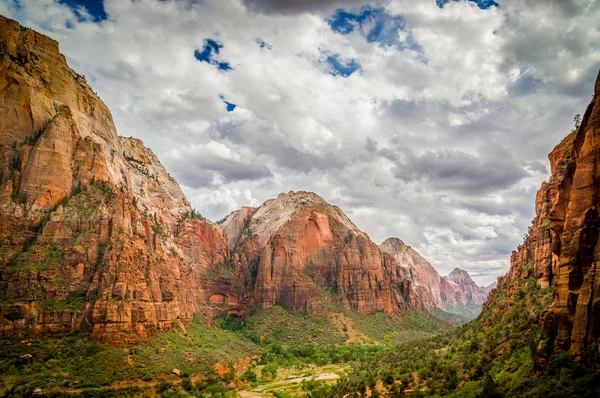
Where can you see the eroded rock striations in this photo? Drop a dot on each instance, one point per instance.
(561, 249)
(300, 252)
(429, 289)
(94, 232)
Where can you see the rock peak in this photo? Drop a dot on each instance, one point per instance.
(301, 195)
(459, 276)
(394, 242)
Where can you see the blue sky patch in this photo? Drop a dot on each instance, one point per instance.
(210, 48)
(263, 44)
(483, 4)
(338, 67)
(94, 7)
(230, 105)
(376, 25)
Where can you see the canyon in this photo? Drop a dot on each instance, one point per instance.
(109, 277)
(95, 234)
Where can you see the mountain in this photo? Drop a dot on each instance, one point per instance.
(487, 289)
(430, 290)
(297, 251)
(94, 232)
(466, 290)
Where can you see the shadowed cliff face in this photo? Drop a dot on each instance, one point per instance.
(93, 230)
(561, 248)
(96, 234)
(573, 322)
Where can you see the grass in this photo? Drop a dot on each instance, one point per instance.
(495, 355)
(37, 258)
(70, 302)
(210, 357)
(293, 328)
(74, 361)
(394, 329)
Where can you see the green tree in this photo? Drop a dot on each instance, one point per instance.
(269, 370)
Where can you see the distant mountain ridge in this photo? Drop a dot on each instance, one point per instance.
(95, 234)
(430, 289)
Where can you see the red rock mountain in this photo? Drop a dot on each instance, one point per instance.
(561, 248)
(298, 251)
(95, 234)
(93, 231)
(465, 289)
(429, 289)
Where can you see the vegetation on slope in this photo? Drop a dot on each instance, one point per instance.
(213, 359)
(493, 356)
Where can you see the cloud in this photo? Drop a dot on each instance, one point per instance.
(428, 123)
(454, 170)
(201, 165)
(299, 6)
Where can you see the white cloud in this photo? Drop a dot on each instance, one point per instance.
(442, 144)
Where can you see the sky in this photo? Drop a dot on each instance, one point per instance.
(426, 120)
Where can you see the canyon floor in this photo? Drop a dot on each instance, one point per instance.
(274, 352)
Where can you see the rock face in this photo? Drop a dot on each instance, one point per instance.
(573, 322)
(429, 289)
(301, 252)
(94, 232)
(561, 248)
(235, 224)
(465, 289)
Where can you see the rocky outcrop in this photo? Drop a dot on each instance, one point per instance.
(429, 289)
(306, 252)
(235, 224)
(425, 280)
(561, 249)
(573, 321)
(466, 291)
(94, 232)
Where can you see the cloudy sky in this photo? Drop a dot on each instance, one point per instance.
(427, 120)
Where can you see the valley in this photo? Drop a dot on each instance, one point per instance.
(112, 284)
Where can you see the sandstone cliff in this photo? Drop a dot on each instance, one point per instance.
(561, 250)
(300, 251)
(465, 289)
(429, 289)
(94, 232)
